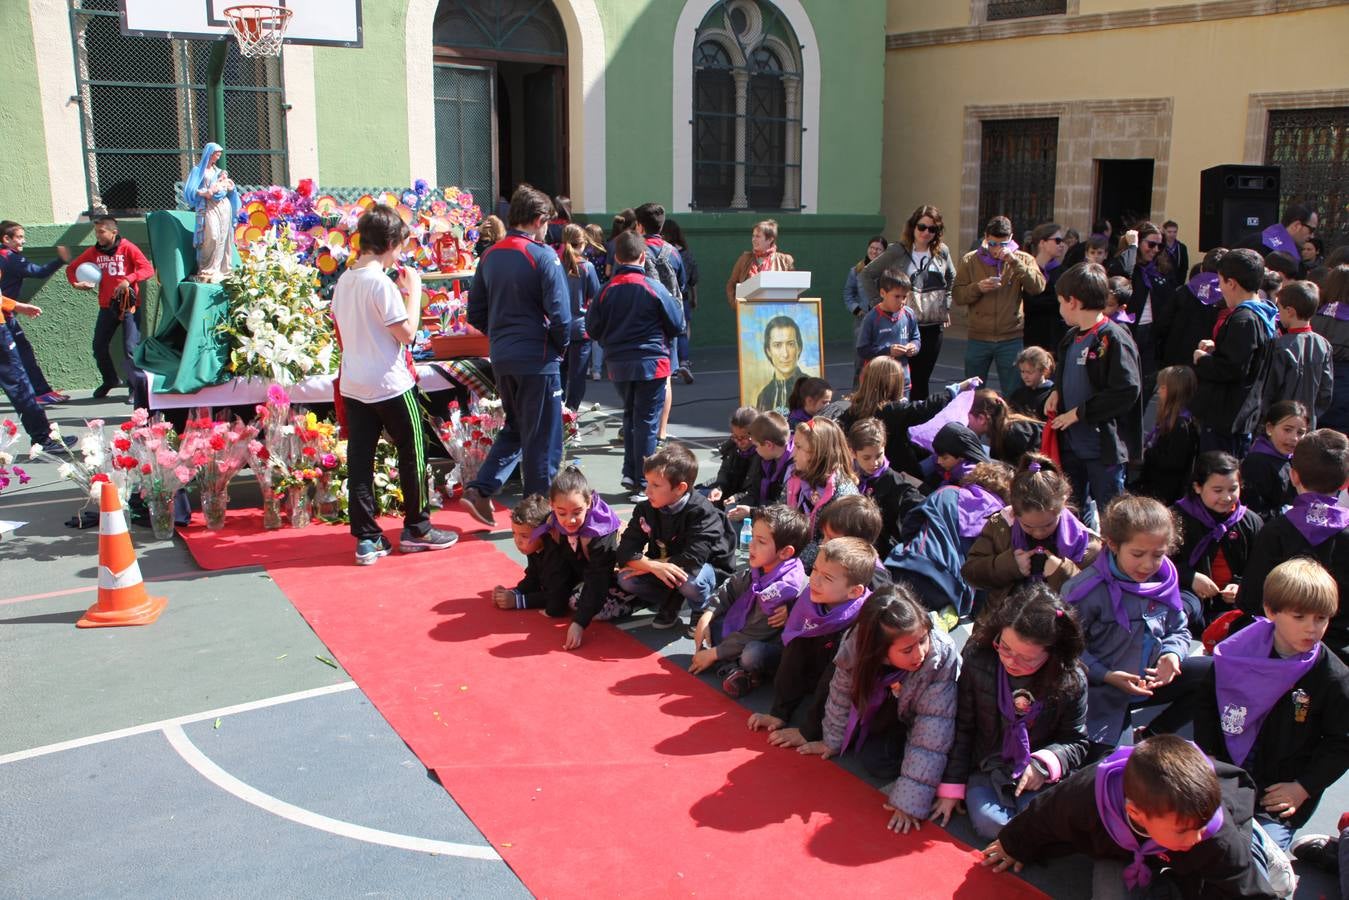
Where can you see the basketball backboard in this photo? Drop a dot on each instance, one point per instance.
(334, 23)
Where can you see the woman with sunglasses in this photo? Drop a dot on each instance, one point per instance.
(1154, 280)
(924, 257)
(1044, 326)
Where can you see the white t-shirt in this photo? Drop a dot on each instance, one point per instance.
(365, 303)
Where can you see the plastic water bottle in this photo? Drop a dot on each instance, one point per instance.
(746, 535)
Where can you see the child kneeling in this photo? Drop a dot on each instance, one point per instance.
(741, 630)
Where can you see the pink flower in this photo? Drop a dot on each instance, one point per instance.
(223, 466)
(95, 424)
(200, 459)
(329, 461)
(140, 416)
(183, 474)
(160, 429)
(166, 458)
(10, 428)
(24, 477)
(255, 447)
(277, 394)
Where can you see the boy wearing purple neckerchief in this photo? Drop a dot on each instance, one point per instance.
(1277, 701)
(1315, 526)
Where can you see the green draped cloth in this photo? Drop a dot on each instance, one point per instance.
(186, 349)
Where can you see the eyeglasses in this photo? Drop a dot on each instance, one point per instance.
(1057, 240)
(935, 229)
(1017, 658)
(999, 243)
(1153, 244)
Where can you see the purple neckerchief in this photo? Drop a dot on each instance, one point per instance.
(958, 471)
(866, 484)
(1122, 317)
(1276, 237)
(782, 584)
(973, 507)
(1335, 310)
(1165, 591)
(861, 724)
(809, 619)
(746, 453)
(1207, 288)
(1051, 266)
(1172, 250)
(774, 469)
(997, 264)
(1016, 730)
(797, 416)
(1265, 446)
(1250, 679)
(1317, 517)
(1151, 273)
(1156, 429)
(1110, 806)
(1071, 538)
(599, 521)
(1195, 508)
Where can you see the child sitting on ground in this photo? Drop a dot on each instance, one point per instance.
(1160, 806)
(766, 482)
(895, 496)
(580, 546)
(892, 699)
(528, 515)
(1277, 701)
(1170, 447)
(1036, 365)
(1266, 483)
(956, 450)
(809, 396)
(1036, 538)
(1301, 365)
(737, 455)
(1021, 721)
(1133, 620)
(1315, 526)
(737, 632)
(818, 619)
(1009, 433)
(1217, 533)
(678, 546)
(821, 473)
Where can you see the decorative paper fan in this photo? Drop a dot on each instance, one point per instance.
(326, 205)
(259, 218)
(366, 201)
(325, 262)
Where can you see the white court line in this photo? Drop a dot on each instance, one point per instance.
(20, 755)
(266, 802)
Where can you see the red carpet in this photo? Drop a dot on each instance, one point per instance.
(243, 542)
(609, 771)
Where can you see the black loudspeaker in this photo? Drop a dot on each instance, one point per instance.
(1235, 201)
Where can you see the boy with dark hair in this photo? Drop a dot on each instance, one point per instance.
(772, 438)
(1095, 403)
(1117, 301)
(855, 515)
(123, 267)
(893, 494)
(890, 329)
(14, 269)
(1302, 363)
(1315, 526)
(520, 300)
(379, 393)
(1276, 701)
(741, 629)
(1159, 807)
(737, 456)
(1229, 366)
(677, 545)
(635, 320)
(528, 515)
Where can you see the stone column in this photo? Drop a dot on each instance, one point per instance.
(791, 183)
(739, 200)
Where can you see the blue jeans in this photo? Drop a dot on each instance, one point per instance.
(30, 364)
(578, 370)
(1107, 878)
(979, 355)
(682, 341)
(1280, 831)
(987, 812)
(643, 402)
(14, 382)
(531, 437)
(105, 326)
(650, 590)
(1091, 479)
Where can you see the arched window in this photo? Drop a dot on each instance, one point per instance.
(746, 109)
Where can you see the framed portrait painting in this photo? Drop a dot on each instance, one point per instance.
(780, 342)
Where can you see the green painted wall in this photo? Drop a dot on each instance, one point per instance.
(361, 99)
(24, 183)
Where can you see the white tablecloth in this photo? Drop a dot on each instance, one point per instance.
(252, 391)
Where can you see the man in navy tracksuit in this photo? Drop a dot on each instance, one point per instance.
(634, 319)
(519, 300)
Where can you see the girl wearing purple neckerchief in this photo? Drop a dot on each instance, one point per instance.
(1022, 714)
(1128, 603)
(821, 473)
(1170, 447)
(1266, 483)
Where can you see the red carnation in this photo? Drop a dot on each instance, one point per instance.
(309, 452)
(305, 188)
(217, 442)
(145, 468)
(122, 444)
(126, 426)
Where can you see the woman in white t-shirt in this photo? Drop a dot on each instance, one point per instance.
(376, 318)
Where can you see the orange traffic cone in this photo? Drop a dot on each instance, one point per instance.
(121, 592)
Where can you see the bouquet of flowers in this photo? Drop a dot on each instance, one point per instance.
(99, 462)
(9, 433)
(272, 451)
(469, 437)
(218, 450)
(277, 326)
(162, 471)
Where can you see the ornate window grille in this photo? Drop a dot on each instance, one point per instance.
(1311, 147)
(1024, 9)
(1016, 171)
(746, 109)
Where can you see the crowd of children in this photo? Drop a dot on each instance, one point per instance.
(1211, 588)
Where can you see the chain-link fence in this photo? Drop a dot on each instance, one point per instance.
(144, 112)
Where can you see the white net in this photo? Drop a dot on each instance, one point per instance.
(259, 30)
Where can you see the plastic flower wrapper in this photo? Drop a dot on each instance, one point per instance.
(469, 437)
(98, 460)
(218, 449)
(9, 434)
(153, 443)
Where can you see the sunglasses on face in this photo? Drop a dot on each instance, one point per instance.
(935, 229)
(1057, 240)
(1153, 244)
(999, 243)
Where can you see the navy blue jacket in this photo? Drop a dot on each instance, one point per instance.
(15, 267)
(880, 329)
(656, 245)
(634, 319)
(519, 300)
(583, 288)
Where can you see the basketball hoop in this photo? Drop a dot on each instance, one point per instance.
(258, 29)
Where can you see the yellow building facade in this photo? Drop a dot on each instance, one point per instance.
(1108, 105)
